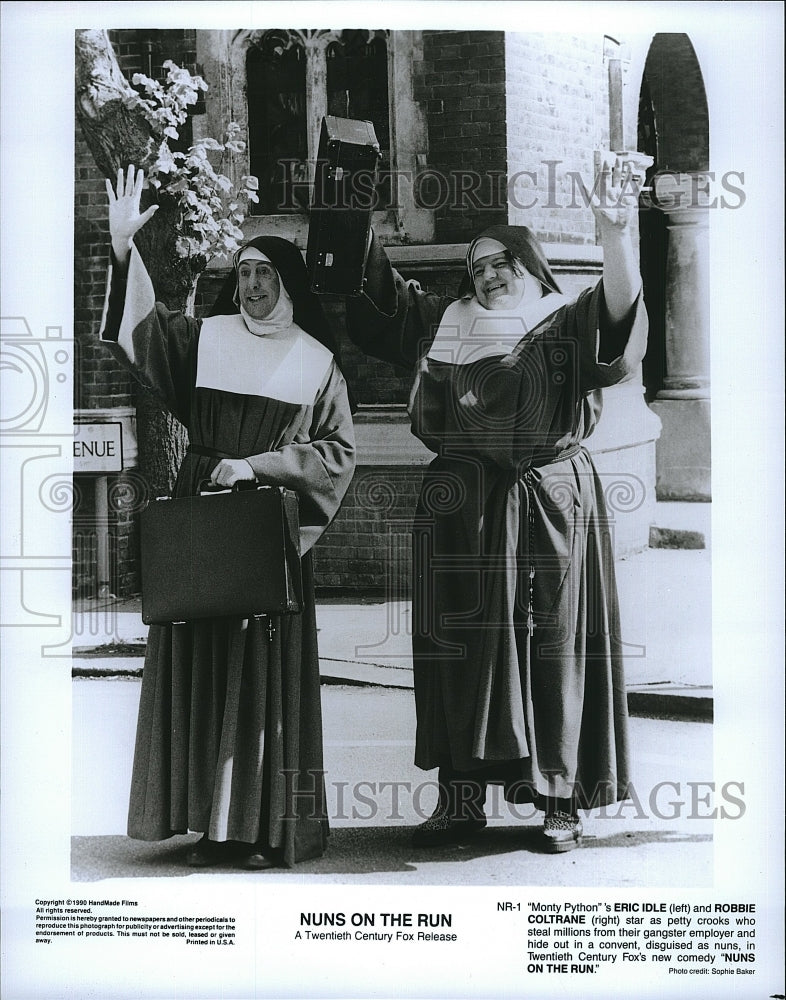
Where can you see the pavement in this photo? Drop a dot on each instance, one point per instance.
(660, 837)
(665, 603)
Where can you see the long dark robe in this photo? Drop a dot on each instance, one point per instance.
(511, 532)
(229, 735)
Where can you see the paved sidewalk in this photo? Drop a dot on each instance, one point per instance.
(665, 598)
(376, 795)
(369, 719)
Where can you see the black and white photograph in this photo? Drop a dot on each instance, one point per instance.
(392, 508)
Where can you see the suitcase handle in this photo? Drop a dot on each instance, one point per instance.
(207, 486)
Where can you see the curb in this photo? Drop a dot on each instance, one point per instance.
(671, 701)
(659, 700)
(676, 538)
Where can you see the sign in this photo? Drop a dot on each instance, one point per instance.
(98, 447)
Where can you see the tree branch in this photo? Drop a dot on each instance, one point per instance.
(116, 132)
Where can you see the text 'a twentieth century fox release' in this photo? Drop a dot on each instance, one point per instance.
(385, 927)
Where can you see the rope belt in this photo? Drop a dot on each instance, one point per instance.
(530, 488)
(539, 463)
(198, 449)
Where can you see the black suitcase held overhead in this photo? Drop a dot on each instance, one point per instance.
(341, 207)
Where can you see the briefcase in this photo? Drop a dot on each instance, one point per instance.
(228, 553)
(341, 207)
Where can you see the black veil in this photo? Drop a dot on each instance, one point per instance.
(524, 245)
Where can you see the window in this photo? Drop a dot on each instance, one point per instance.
(278, 84)
(294, 78)
(357, 80)
(278, 145)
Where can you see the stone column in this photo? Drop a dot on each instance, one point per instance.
(316, 93)
(683, 404)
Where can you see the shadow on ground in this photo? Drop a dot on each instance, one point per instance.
(501, 854)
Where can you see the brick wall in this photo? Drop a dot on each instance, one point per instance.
(144, 50)
(367, 548)
(461, 84)
(557, 116)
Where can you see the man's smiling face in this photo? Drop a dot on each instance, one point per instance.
(497, 285)
(258, 287)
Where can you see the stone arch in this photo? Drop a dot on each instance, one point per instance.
(673, 128)
(675, 84)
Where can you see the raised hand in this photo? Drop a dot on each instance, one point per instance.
(615, 204)
(125, 218)
(615, 195)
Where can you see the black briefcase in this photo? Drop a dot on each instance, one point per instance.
(341, 207)
(228, 553)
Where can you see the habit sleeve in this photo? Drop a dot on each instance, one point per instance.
(394, 319)
(158, 346)
(608, 352)
(318, 465)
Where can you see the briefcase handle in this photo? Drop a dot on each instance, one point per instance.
(207, 486)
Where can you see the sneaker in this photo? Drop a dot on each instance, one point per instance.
(561, 832)
(441, 828)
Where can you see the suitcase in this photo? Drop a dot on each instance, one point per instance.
(229, 553)
(341, 207)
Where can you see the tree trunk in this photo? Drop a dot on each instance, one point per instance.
(118, 134)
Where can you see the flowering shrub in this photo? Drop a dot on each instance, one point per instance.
(211, 210)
